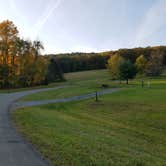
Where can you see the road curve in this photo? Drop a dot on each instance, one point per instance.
(14, 150)
(61, 100)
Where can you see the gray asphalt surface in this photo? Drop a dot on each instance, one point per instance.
(14, 150)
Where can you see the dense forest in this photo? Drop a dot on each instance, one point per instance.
(89, 61)
(80, 61)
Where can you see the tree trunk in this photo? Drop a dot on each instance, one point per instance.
(127, 81)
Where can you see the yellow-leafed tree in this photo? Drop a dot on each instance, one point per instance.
(20, 63)
(113, 66)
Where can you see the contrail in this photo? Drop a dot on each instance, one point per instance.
(33, 32)
(38, 26)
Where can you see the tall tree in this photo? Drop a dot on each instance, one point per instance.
(8, 34)
(141, 63)
(54, 71)
(114, 66)
(127, 70)
(20, 60)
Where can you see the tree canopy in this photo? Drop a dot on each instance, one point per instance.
(127, 70)
(20, 61)
(141, 63)
(114, 64)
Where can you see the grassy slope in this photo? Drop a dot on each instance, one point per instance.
(124, 128)
(78, 83)
(82, 83)
(79, 79)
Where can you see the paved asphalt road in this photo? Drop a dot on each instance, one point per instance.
(14, 150)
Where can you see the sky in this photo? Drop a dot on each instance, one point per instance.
(88, 25)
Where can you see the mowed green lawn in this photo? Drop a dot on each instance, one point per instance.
(80, 83)
(126, 128)
(77, 83)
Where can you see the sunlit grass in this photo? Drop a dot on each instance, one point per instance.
(90, 81)
(126, 128)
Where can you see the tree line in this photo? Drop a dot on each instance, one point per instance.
(21, 63)
(123, 69)
(74, 62)
(80, 61)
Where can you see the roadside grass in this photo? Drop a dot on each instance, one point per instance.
(71, 78)
(126, 128)
(31, 88)
(79, 83)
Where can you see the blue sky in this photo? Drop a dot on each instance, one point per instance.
(88, 25)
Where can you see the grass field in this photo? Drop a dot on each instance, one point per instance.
(86, 82)
(127, 128)
(77, 84)
(78, 79)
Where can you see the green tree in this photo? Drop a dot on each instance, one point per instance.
(127, 70)
(141, 63)
(113, 66)
(54, 72)
(4, 76)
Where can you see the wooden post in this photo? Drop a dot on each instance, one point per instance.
(96, 97)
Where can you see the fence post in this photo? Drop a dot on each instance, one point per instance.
(96, 96)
